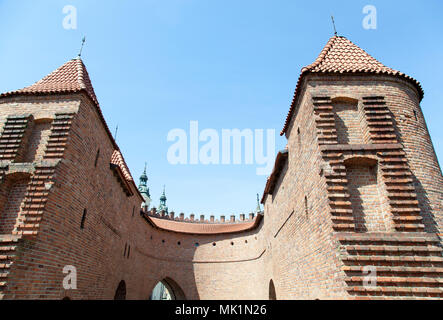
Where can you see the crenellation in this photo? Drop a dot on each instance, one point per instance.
(202, 219)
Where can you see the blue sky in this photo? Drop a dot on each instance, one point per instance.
(157, 65)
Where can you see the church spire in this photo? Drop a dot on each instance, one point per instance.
(144, 190)
(163, 206)
(258, 209)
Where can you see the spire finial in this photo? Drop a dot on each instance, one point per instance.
(258, 209)
(145, 167)
(81, 48)
(333, 24)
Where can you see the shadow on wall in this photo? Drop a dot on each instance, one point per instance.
(362, 175)
(425, 206)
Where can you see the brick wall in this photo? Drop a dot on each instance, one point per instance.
(367, 190)
(15, 192)
(307, 244)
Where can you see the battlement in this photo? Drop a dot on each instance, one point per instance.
(192, 217)
(190, 225)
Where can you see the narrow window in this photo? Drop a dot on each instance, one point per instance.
(96, 157)
(133, 210)
(415, 115)
(306, 206)
(124, 252)
(82, 224)
(129, 250)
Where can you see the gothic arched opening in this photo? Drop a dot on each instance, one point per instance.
(272, 293)
(120, 293)
(167, 289)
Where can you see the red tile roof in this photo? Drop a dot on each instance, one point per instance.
(342, 56)
(118, 160)
(203, 228)
(70, 77)
(280, 161)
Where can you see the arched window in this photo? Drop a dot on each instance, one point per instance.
(272, 294)
(120, 293)
(167, 289)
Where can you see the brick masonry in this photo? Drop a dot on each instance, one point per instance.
(358, 187)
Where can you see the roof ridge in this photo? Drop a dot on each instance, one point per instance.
(322, 54)
(80, 76)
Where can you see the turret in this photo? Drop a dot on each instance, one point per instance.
(144, 190)
(163, 206)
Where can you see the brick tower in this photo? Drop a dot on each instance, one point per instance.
(360, 178)
(352, 209)
(56, 152)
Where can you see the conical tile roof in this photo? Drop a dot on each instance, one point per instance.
(69, 78)
(73, 77)
(342, 56)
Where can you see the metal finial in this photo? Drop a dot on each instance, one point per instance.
(145, 166)
(81, 48)
(333, 24)
(115, 134)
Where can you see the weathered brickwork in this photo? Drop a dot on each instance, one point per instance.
(358, 189)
